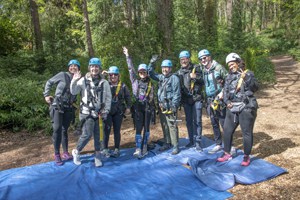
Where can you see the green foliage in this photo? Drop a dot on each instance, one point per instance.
(9, 37)
(295, 52)
(22, 104)
(258, 62)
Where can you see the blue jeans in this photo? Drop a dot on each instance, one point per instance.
(193, 117)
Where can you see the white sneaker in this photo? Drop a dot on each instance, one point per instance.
(145, 150)
(137, 153)
(215, 149)
(76, 157)
(98, 162)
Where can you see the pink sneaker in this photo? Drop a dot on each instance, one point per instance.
(246, 161)
(58, 160)
(67, 156)
(225, 157)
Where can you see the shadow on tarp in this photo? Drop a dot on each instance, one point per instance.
(157, 176)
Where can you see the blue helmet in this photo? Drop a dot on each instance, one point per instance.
(143, 67)
(74, 62)
(203, 52)
(95, 61)
(184, 54)
(113, 70)
(166, 63)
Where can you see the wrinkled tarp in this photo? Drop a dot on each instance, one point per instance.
(157, 176)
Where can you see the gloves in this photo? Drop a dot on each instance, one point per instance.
(154, 59)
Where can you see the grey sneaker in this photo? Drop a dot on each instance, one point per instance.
(76, 157)
(105, 152)
(215, 149)
(98, 162)
(116, 153)
(175, 151)
(137, 153)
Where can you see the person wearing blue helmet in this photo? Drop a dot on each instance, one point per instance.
(142, 89)
(61, 109)
(239, 89)
(191, 82)
(214, 75)
(169, 97)
(95, 105)
(120, 105)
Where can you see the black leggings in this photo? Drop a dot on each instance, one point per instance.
(115, 121)
(60, 123)
(246, 120)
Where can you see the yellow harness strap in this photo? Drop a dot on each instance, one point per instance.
(118, 88)
(241, 80)
(148, 89)
(193, 82)
(101, 128)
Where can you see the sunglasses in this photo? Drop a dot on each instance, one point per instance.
(114, 74)
(203, 58)
(142, 72)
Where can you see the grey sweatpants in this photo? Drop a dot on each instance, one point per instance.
(90, 128)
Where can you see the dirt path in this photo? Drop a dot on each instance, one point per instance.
(276, 137)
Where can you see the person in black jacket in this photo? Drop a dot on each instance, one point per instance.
(239, 89)
(61, 109)
(191, 84)
(120, 104)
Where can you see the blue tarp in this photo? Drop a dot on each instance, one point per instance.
(157, 176)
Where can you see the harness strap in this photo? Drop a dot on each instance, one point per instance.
(240, 81)
(90, 97)
(118, 88)
(193, 82)
(148, 88)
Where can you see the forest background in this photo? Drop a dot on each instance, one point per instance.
(39, 37)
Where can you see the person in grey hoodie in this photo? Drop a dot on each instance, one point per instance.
(94, 106)
(61, 109)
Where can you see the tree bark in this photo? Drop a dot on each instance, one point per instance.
(36, 26)
(164, 10)
(87, 29)
(128, 13)
(229, 11)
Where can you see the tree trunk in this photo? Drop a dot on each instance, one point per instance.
(36, 26)
(87, 29)
(128, 13)
(229, 11)
(164, 10)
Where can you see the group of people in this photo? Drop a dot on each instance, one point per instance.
(228, 99)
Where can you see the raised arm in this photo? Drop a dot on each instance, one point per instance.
(152, 73)
(132, 72)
